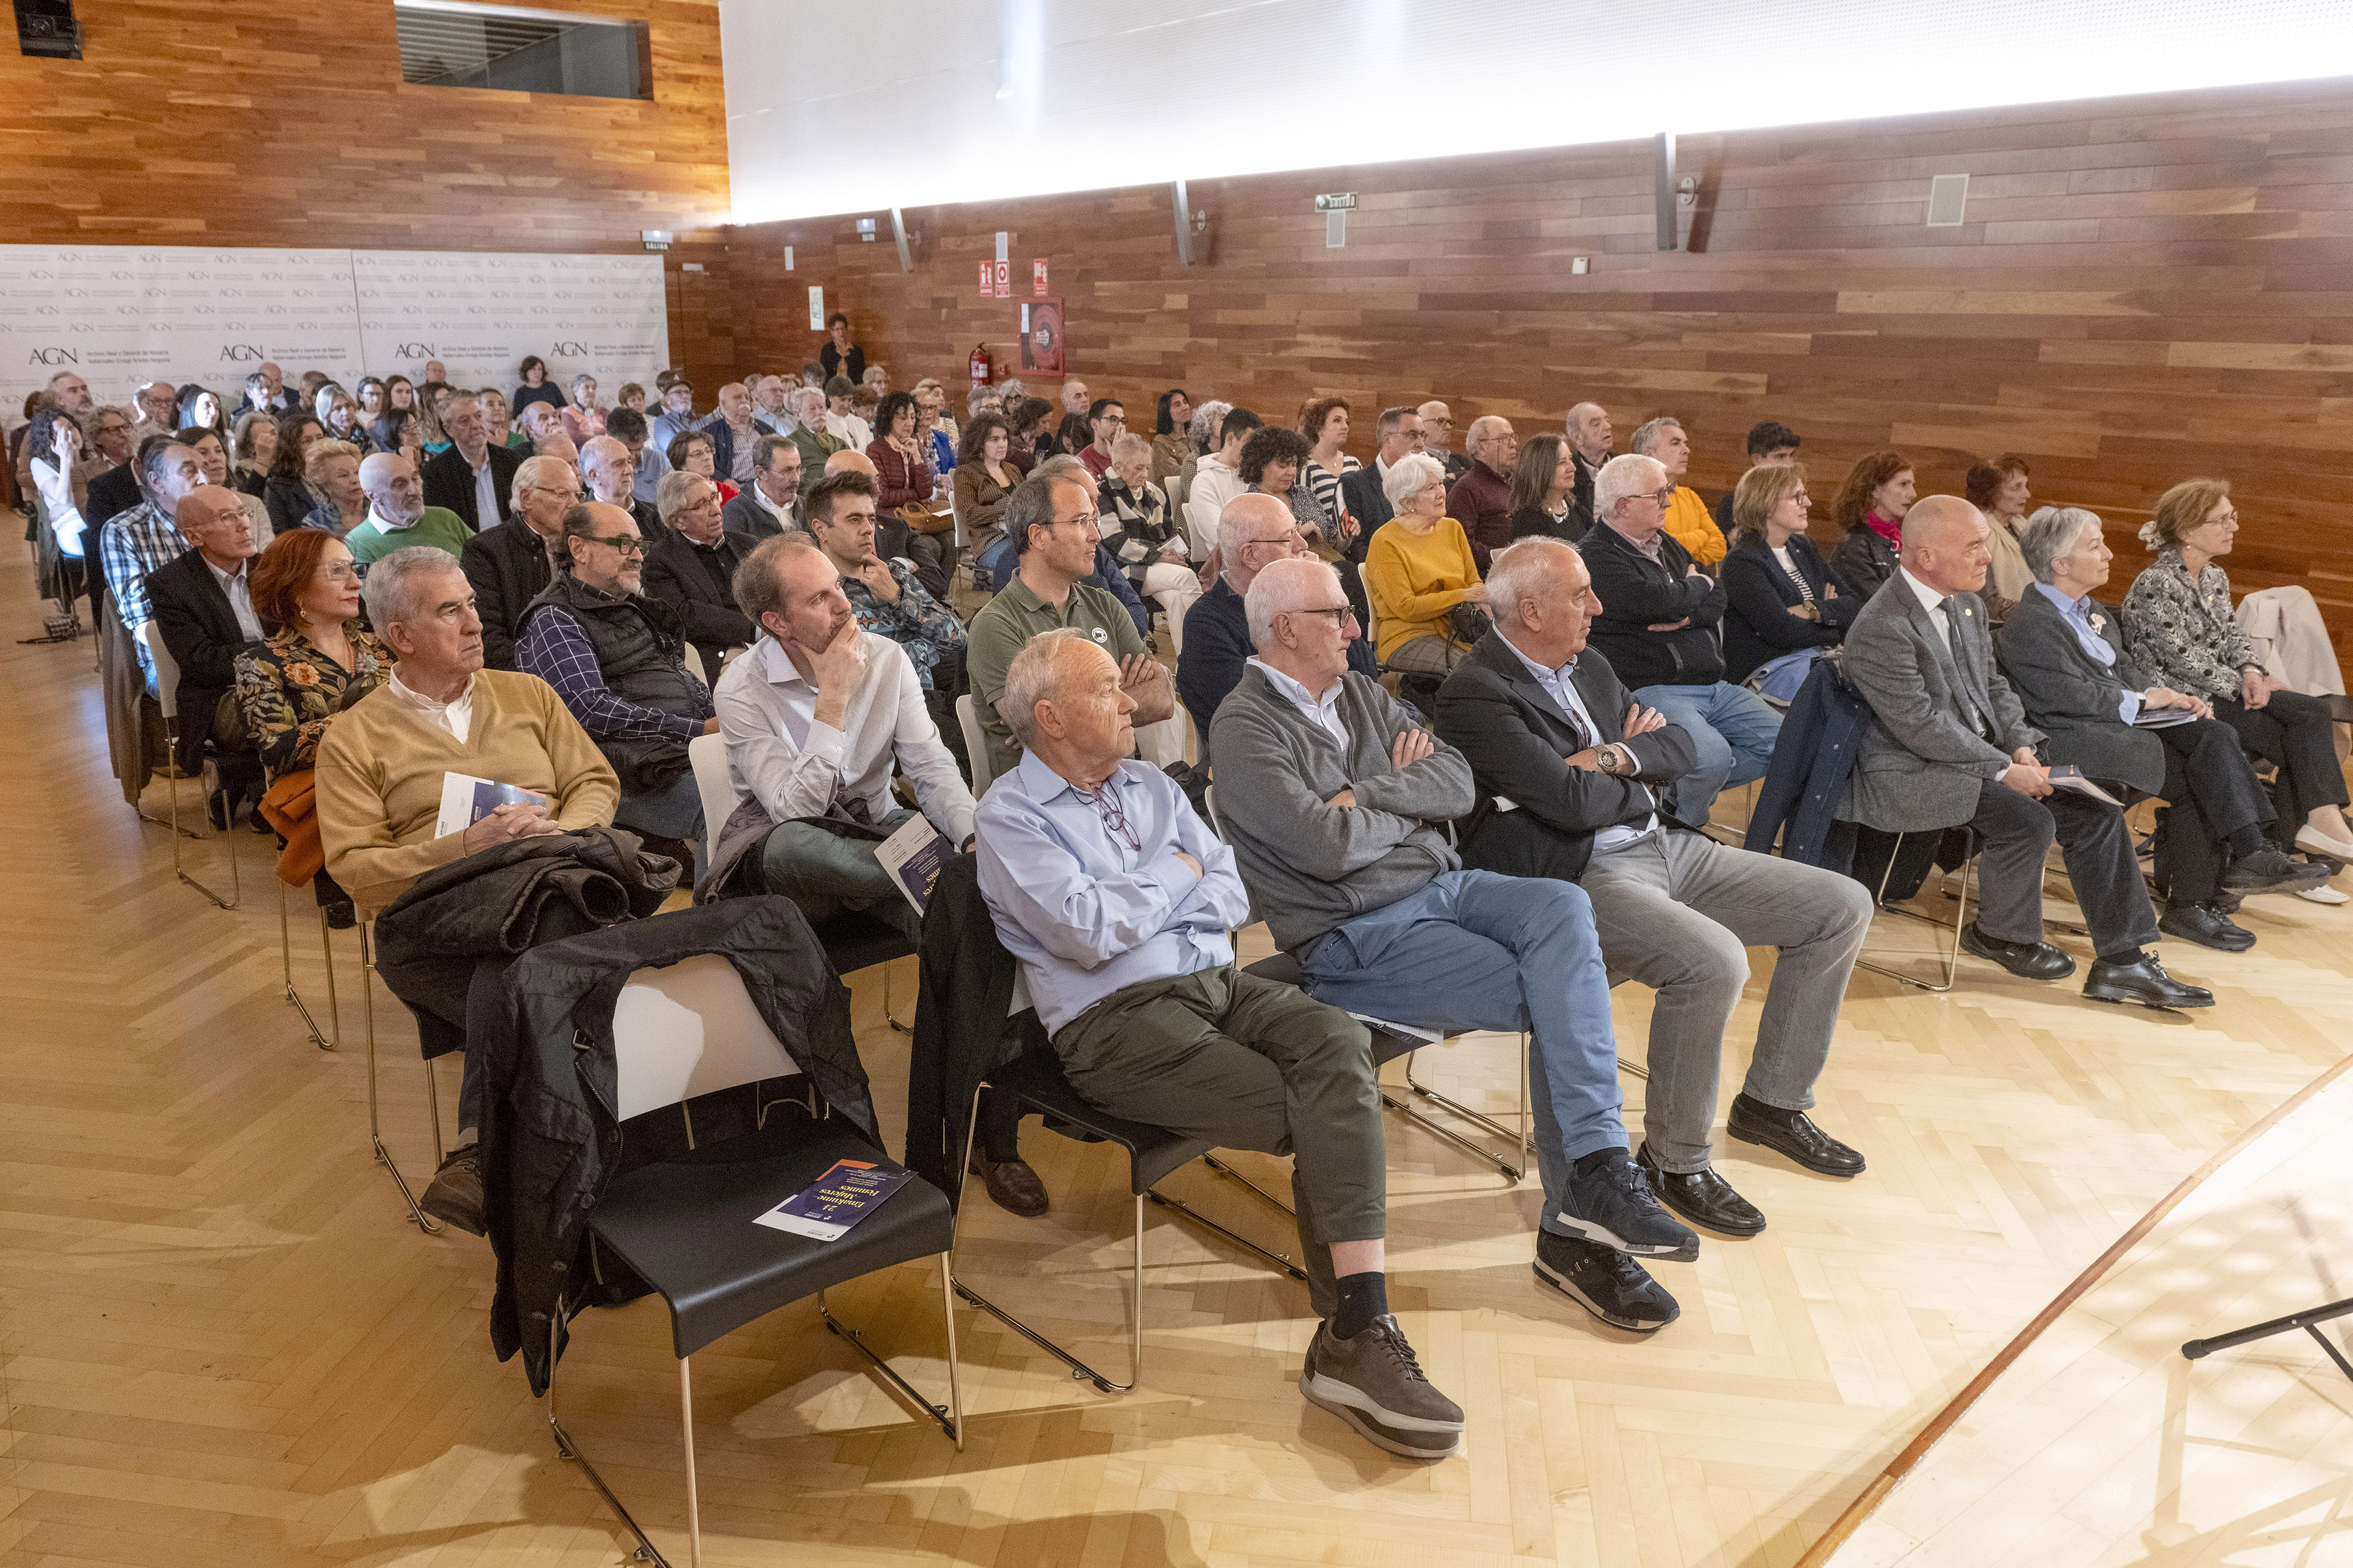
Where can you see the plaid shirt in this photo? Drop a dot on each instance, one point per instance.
(556, 650)
(918, 622)
(133, 544)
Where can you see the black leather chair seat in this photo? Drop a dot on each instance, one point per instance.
(685, 1225)
(1283, 969)
(1036, 1077)
(855, 941)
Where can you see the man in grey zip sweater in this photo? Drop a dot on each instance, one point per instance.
(1336, 804)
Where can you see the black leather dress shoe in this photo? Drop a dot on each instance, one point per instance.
(2267, 871)
(2144, 980)
(1791, 1132)
(2027, 960)
(1702, 1197)
(2207, 926)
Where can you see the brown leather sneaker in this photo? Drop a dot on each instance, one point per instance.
(1373, 1383)
(1012, 1185)
(455, 1196)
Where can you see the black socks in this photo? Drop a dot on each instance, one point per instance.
(1363, 1297)
(1589, 1163)
(2245, 842)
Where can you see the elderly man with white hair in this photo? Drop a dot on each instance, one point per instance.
(1336, 805)
(475, 477)
(1660, 628)
(694, 569)
(397, 516)
(1481, 500)
(1590, 437)
(1253, 532)
(1564, 762)
(610, 475)
(1117, 899)
(509, 565)
(1949, 745)
(2105, 713)
(809, 432)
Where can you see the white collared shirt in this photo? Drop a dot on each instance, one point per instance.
(385, 525)
(1324, 711)
(486, 493)
(1931, 601)
(239, 587)
(1558, 685)
(782, 515)
(796, 767)
(457, 716)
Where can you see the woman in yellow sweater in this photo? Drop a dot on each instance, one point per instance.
(1418, 568)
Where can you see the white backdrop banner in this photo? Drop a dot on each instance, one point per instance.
(120, 315)
(479, 314)
(123, 315)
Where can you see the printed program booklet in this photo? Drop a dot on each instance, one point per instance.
(2162, 718)
(466, 800)
(2066, 775)
(827, 1208)
(913, 855)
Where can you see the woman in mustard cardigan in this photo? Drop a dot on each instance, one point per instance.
(1417, 569)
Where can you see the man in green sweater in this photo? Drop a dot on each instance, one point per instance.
(397, 515)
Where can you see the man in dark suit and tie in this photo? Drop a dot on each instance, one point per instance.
(1564, 762)
(203, 606)
(474, 478)
(1949, 744)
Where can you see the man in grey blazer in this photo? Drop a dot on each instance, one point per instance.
(771, 504)
(1950, 745)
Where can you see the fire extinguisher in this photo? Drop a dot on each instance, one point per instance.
(980, 367)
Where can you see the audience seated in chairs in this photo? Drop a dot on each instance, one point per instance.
(204, 607)
(1144, 537)
(1949, 744)
(1780, 597)
(1657, 629)
(1051, 520)
(321, 661)
(618, 661)
(1218, 478)
(510, 566)
(475, 478)
(380, 770)
(1563, 765)
(1590, 435)
(1362, 490)
(888, 596)
(1419, 568)
(1254, 531)
(692, 568)
(771, 504)
(332, 473)
(2064, 656)
(984, 480)
(1116, 899)
(146, 538)
(2177, 617)
(1336, 805)
(1870, 512)
(397, 515)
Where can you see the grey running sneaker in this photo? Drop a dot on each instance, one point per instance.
(1615, 1206)
(1373, 1383)
(1604, 1282)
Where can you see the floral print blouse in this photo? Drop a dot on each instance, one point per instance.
(289, 689)
(2183, 632)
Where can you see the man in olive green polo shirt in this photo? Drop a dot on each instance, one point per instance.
(1053, 523)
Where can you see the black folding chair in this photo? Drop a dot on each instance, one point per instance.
(685, 1224)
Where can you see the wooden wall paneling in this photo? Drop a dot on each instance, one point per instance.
(188, 121)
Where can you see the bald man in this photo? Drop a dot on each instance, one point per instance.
(1438, 438)
(203, 605)
(1949, 746)
(397, 515)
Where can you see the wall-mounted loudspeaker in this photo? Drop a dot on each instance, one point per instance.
(46, 28)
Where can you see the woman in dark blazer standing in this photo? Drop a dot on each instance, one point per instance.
(1780, 596)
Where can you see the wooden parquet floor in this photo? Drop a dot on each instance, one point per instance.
(221, 1345)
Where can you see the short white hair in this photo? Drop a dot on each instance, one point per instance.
(395, 584)
(535, 471)
(675, 492)
(1234, 524)
(1284, 586)
(1035, 676)
(1629, 475)
(1647, 434)
(1524, 568)
(1409, 476)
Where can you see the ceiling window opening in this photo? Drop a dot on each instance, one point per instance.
(448, 43)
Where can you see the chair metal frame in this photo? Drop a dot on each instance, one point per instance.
(1950, 959)
(1081, 1370)
(286, 973)
(168, 688)
(432, 1087)
(948, 1418)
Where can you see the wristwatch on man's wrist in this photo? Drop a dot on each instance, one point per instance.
(1614, 760)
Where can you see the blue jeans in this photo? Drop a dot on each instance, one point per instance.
(1477, 951)
(1734, 729)
(672, 813)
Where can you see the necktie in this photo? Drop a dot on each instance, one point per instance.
(1957, 608)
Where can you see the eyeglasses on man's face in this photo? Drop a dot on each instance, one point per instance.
(1341, 614)
(626, 543)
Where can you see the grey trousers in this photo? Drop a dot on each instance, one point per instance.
(1248, 1064)
(829, 876)
(1677, 911)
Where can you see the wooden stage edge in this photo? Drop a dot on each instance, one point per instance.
(1819, 1554)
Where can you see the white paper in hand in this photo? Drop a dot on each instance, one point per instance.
(913, 855)
(466, 800)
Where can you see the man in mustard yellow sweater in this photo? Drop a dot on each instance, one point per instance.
(381, 766)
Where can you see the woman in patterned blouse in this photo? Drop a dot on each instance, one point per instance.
(2177, 616)
(321, 662)
(1134, 521)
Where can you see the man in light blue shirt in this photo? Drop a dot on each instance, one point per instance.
(1117, 899)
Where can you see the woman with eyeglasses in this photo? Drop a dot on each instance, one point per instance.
(320, 659)
(1418, 568)
(1779, 595)
(695, 453)
(2178, 624)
